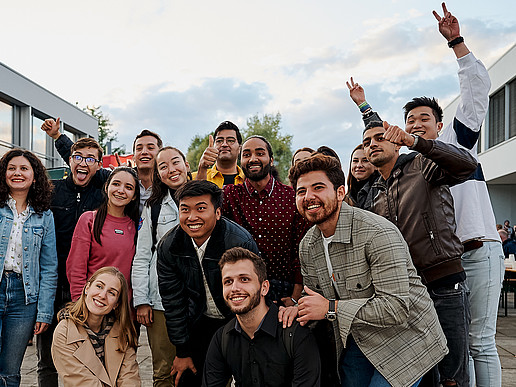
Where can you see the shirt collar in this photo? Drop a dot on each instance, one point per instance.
(202, 248)
(12, 205)
(267, 325)
(266, 191)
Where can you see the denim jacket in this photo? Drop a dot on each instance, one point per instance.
(39, 263)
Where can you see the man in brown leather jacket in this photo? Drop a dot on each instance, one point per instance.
(413, 193)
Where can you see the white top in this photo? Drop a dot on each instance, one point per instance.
(211, 308)
(473, 211)
(326, 243)
(14, 254)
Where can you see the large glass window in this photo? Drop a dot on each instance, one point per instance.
(6, 126)
(39, 137)
(497, 118)
(512, 109)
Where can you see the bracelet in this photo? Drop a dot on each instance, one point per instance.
(454, 42)
(364, 107)
(294, 301)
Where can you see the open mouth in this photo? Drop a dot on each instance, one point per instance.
(98, 303)
(418, 132)
(119, 197)
(237, 299)
(82, 173)
(194, 227)
(254, 167)
(145, 159)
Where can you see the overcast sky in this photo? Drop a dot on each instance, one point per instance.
(181, 67)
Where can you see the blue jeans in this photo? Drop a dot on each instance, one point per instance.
(452, 307)
(16, 327)
(485, 270)
(356, 371)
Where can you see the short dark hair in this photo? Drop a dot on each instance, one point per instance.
(267, 143)
(87, 142)
(228, 125)
(305, 149)
(327, 151)
(195, 188)
(424, 101)
(318, 162)
(147, 132)
(236, 254)
(373, 124)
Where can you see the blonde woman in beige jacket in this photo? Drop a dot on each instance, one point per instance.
(94, 343)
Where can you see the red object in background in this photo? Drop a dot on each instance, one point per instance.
(111, 159)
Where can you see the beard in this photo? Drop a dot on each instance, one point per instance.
(257, 176)
(330, 208)
(253, 302)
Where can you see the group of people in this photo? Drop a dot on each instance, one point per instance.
(238, 276)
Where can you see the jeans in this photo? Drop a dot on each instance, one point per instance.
(356, 371)
(452, 306)
(485, 271)
(16, 327)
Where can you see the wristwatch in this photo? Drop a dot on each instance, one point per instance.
(331, 315)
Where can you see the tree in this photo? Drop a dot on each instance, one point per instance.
(269, 126)
(106, 133)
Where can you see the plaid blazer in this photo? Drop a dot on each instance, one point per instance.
(382, 301)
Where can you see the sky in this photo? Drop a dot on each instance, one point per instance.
(181, 67)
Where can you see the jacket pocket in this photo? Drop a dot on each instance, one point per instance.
(360, 285)
(37, 237)
(432, 234)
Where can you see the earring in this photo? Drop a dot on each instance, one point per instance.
(85, 293)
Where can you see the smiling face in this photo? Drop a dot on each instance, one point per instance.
(102, 294)
(361, 168)
(82, 173)
(227, 144)
(316, 199)
(121, 189)
(19, 174)
(198, 217)
(145, 150)
(242, 289)
(256, 161)
(377, 149)
(421, 121)
(172, 169)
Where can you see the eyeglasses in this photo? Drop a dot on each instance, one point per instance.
(77, 159)
(229, 140)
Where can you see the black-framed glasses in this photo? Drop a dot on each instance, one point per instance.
(77, 159)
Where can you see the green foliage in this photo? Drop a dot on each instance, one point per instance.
(106, 133)
(195, 150)
(269, 126)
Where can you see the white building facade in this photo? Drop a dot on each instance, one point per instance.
(497, 143)
(24, 106)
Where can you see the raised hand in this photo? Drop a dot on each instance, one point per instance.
(209, 156)
(448, 24)
(51, 127)
(396, 135)
(356, 92)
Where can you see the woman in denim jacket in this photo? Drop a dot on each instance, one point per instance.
(28, 258)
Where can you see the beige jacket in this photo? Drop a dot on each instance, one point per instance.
(78, 365)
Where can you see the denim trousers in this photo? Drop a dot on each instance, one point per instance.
(16, 327)
(356, 371)
(485, 271)
(452, 306)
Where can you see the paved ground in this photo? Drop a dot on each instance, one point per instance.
(505, 340)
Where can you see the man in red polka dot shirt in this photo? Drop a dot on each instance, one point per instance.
(267, 209)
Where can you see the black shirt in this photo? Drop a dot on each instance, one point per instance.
(263, 360)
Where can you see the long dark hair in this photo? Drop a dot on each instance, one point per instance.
(40, 192)
(160, 189)
(131, 210)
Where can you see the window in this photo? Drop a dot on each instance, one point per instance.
(6, 126)
(512, 109)
(497, 118)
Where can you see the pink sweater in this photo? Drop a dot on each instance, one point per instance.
(87, 256)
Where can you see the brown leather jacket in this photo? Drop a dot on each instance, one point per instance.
(417, 199)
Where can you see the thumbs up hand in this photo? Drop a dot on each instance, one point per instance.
(209, 156)
(313, 306)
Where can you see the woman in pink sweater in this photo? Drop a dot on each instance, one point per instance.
(106, 237)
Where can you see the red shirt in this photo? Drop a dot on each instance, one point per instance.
(272, 219)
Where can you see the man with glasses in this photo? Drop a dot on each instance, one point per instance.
(81, 191)
(218, 163)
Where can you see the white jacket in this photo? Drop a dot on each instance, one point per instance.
(144, 274)
(473, 212)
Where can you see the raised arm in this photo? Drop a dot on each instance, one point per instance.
(357, 94)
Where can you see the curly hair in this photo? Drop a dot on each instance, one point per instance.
(318, 162)
(78, 312)
(40, 192)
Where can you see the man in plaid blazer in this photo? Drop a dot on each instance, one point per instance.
(359, 275)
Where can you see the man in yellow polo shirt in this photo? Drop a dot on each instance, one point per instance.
(218, 163)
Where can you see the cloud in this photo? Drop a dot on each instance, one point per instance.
(179, 115)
